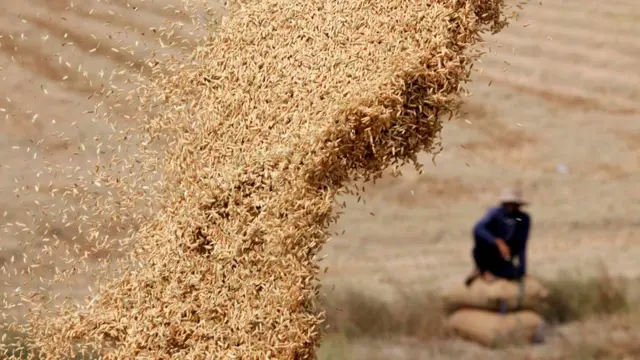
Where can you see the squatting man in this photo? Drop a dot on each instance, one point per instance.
(500, 240)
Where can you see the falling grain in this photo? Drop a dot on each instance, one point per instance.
(259, 128)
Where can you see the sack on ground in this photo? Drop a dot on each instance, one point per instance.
(496, 295)
(497, 330)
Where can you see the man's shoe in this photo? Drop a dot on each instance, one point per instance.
(471, 278)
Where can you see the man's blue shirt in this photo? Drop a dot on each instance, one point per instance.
(514, 229)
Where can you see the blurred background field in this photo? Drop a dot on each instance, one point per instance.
(555, 107)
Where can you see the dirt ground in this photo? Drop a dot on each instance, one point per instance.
(555, 107)
(58, 60)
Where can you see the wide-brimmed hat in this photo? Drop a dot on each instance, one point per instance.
(512, 195)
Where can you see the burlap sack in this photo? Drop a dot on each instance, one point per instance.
(496, 295)
(497, 330)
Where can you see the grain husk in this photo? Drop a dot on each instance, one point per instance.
(243, 147)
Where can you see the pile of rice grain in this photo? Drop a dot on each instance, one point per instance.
(271, 118)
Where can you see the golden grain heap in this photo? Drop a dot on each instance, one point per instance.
(284, 108)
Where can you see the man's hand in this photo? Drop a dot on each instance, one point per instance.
(504, 249)
(488, 277)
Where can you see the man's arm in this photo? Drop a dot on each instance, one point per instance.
(481, 229)
(522, 254)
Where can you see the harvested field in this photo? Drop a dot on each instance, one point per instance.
(259, 130)
(565, 103)
(557, 112)
(56, 59)
(564, 99)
